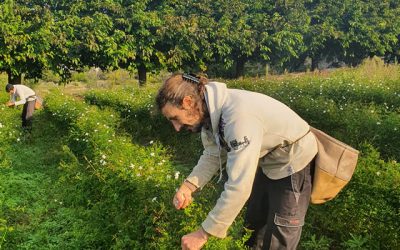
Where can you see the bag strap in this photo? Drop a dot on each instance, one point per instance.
(282, 146)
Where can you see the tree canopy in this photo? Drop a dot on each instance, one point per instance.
(201, 35)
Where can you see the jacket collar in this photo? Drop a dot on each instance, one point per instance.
(216, 93)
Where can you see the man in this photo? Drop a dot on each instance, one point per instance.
(27, 97)
(268, 151)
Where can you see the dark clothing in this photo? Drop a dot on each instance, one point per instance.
(276, 209)
(27, 115)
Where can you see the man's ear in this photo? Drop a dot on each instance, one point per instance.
(187, 102)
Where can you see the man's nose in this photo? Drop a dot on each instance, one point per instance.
(177, 126)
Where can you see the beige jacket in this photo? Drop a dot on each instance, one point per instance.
(246, 127)
(24, 94)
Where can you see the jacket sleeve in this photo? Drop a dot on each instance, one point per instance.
(244, 137)
(209, 162)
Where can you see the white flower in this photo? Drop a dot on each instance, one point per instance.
(109, 141)
(103, 156)
(151, 142)
(132, 165)
(154, 199)
(177, 175)
(1, 125)
(378, 173)
(18, 139)
(152, 154)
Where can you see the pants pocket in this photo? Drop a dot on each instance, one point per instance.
(285, 233)
(288, 221)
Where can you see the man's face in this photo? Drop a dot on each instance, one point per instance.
(185, 117)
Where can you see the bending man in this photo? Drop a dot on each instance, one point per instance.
(268, 150)
(27, 97)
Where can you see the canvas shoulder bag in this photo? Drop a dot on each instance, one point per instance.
(335, 163)
(38, 103)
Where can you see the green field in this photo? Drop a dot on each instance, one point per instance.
(101, 167)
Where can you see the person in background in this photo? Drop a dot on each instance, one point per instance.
(22, 95)
(268, 150)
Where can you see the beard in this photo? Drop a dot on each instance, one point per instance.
(196, 128)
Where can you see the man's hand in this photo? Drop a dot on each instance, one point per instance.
(183, 196)
(10, 104)
(195, 240)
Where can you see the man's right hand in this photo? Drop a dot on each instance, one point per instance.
(10, 104)
(183, 196)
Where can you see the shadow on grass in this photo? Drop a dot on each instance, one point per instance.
(146, 127)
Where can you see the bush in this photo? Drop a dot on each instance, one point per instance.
(120, 182)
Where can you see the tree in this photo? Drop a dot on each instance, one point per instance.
(24, 43)
(199, 34)
(88, 34)
(352, 30)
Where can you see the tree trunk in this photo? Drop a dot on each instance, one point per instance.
(142, 74)
(239, 70)
(314, 64)
(14, 79)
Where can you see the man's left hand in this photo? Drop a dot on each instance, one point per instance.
(195, 240)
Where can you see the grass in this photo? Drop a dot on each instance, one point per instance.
(30, 197)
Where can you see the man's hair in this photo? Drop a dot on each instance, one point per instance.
(9, 87)
(176, 87)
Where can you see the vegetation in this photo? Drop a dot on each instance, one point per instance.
(216, 37)
(91, 175)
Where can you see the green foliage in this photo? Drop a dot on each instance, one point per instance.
(95, 171)
(136, 106)
(119, 182)
(217, 37)
(348, 105)
(313, 243)
(356, 242)
(25, 39)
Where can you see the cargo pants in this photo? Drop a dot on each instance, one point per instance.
(276, 209)
(27, 115)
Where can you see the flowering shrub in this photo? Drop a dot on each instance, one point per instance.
(122, 162)
(365, 115)
(120, 182)
(10, 133)
(142, 121)
(353, 123)
(353, 111)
